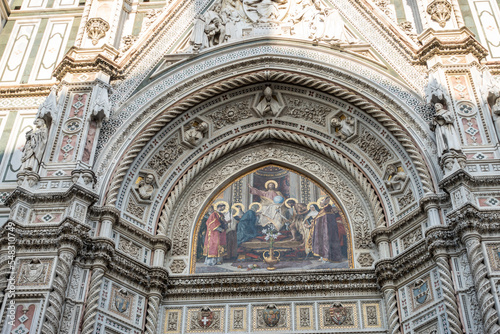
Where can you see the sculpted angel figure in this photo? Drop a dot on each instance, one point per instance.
(331, 28)
(36, 141)
(267, 10)
(446, 135)
(209, 29)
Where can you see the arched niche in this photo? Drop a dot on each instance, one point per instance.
(179, 218)
(271, 218)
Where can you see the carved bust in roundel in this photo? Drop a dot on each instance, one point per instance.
(145, 187)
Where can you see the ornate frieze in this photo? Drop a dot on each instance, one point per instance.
(162, 161)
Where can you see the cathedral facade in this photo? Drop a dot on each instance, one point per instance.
(250, 166)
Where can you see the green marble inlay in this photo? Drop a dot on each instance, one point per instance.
(467, 15)
(5, 35)
(34, 51)
(400, 12)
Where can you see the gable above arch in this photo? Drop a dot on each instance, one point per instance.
(172, 29)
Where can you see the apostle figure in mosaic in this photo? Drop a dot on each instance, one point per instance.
(443, 124)
(299, 211)
(326, 241)
(215, 237)
(306, 227)
(36, 141)
(247, 225)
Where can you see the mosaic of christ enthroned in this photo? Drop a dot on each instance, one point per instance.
(271, 219)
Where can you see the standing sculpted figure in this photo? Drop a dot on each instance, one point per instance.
(496, 111)
(209, 29)
(36, 141)
(446, 135)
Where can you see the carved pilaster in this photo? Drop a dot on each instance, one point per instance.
(57, 296)
(92, 300)
(391, 305)
(152, 313)
(481, 282)
(449, 293)
(4, 274)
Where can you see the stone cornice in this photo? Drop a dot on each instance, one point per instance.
(469, 218)
(68, 231)
(462, 177)
(51, 197)
(25, 90)
(237, 285)
(449, 42)
(99, 61)
(389, 270)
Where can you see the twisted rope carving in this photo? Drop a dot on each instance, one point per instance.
(4, 275)
(276, 134)
(56, 297)
(483, 285)
(92, 301)
(152, 317)
(278, 76)
(449, 294)
(392, 309)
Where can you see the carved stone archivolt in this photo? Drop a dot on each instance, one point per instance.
(187, 208)
(160, 121)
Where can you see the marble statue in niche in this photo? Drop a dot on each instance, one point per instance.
(271, 207)
(496, 111)
(145, 187)
(443, 125)
(36, 141)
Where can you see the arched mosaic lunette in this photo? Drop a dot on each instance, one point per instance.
(328, 174)
(265, 75)
(285, 136)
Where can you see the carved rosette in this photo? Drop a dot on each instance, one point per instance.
(96, 29)
(440, 11)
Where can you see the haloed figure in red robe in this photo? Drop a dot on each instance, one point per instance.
(215, 238)
(326, 241)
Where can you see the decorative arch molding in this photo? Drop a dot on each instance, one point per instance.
(178, 220)
(300, 79)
